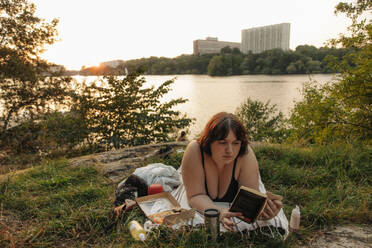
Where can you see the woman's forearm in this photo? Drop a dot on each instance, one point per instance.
(202, 202)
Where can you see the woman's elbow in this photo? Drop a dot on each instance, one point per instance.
(194, 199)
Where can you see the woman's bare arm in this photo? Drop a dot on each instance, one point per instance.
(194, 180)
(248, 176)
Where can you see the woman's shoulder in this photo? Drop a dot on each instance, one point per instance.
(193, 146)
(248, 158)
(192, 150)
(191, 156)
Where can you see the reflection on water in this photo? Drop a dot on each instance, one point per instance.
(209, 95)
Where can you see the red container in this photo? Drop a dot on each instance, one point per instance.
(154, 189)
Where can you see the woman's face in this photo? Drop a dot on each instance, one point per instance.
(226, 150)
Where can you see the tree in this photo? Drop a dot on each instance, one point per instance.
(312, 118)
(249, 63)
(313, 66)
(237, 60)
(354, 86)
(236, 51)
(23, 91)
(308, 51)
(226, 50)
(262, 121)
(123, 113)
(216, 66)
(342, 110)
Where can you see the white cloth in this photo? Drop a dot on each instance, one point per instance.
(159, 173)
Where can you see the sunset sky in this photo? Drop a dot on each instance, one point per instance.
(92, 31)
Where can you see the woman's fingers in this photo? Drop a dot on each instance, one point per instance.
(226, 219)
(229, 224)
(272, 208)
(264, 216)
(278, 204)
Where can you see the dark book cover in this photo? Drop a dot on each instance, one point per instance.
(249, 202)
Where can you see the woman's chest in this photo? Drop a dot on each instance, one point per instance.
(218, 179)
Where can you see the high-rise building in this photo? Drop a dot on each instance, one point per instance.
(260, 39)
(212, 45)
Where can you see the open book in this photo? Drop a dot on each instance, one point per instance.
(251, 203)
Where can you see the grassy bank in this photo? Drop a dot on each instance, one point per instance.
(54, 205)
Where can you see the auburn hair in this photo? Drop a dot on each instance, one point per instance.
(218, 128)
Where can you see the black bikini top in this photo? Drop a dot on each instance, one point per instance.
(231, 190)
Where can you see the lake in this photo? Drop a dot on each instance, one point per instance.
(208, 95)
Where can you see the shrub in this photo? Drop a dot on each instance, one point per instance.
(262, 121)
(51, 132)
(123, 113)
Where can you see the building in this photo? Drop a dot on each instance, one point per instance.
(260, 39)
(212, 45)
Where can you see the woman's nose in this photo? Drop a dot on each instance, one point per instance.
(229, 148)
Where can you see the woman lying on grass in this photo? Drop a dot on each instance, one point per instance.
(217, 164)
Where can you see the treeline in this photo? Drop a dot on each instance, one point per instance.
(305, 59)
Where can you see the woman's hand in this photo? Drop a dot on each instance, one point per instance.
(272, 208)
(226, 219)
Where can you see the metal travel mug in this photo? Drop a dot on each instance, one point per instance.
(212, 222)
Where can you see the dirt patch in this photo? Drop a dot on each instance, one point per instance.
(347, 236)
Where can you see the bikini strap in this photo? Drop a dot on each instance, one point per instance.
(202, 155)
(233, 172)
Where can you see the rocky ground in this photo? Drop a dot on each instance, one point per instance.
(117, 164)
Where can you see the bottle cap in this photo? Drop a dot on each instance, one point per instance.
(296, 210)
(142, 236)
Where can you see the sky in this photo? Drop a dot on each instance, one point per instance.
(94, 31)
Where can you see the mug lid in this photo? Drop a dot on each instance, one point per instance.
(211, 212)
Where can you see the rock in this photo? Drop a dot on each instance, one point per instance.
(117, 164)
(349, 236)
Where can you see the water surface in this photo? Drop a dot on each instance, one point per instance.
(208, 95)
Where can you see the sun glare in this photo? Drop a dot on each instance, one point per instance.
(91, 64)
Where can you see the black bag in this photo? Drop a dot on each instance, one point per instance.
(133, 187)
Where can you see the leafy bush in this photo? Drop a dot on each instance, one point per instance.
(262, 121)
(64, 129)
(121, 112)
(51, 132)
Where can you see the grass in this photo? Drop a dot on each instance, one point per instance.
(55, 205)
